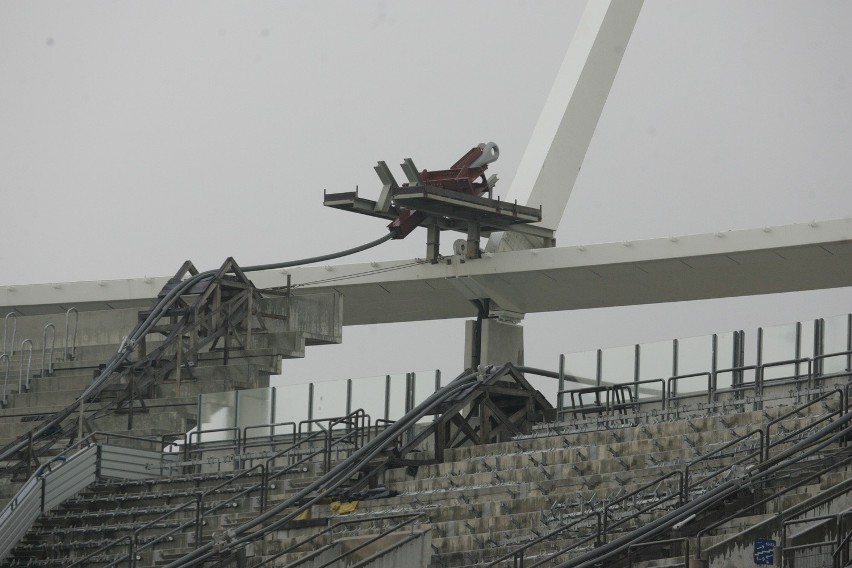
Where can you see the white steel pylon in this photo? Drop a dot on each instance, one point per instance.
(552, 160)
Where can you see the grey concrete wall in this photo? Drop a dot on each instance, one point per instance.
(412, 554)
(105, 327)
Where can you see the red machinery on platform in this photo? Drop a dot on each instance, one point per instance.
(451, 199)
(460, 177)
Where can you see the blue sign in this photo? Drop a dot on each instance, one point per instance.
(764, 552)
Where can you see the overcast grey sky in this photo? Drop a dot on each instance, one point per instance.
(135, 135)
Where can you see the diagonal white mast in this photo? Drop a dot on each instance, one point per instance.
(552, 160)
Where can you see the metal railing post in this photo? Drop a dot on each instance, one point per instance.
(5, 356)
(14, 332)
(560, 397)
(66, 355)
(44, 349)
(24, 384)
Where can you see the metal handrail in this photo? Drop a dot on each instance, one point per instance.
(760, 456)
(269, 436)
(259, 486)
(73, 354)
(739, 386)
(24, 385)
(14, 332)
(6, 378)
(198, 502)
(841, 410)
(805, 449)
(201, 446)
(797, 361)
(684, 540)
(411, 517)
(672, 386)
(611, 396)
(777, 494)
(44, 349)
(824, 356)
(325, 450)
(565, 550)
(514, 554)
(370, 541)
(843, 544)
(606, 528)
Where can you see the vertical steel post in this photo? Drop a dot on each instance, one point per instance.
(758, 378)
(310, 407)
(433, 243)
(714, 346)
(272, 411)
(560, 395)
(238, 447)
(849, 342)
(819, 349)
(599, 370)
(387, 396)
(675, 356)
(636, 355)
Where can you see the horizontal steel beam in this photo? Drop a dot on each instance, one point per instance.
(695, 267)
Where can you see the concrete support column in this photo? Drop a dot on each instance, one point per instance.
(499, 343)
(433, 243)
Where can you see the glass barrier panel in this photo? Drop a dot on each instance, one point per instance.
(835, 339)
(725, 359)
(583, 365)
(368, 394)
(694, 355)
(424, 387)
(726, 380)
(652, 390)
(690, 385)
(291, 405)
(778, 343)
(217, 411)
(806, 345)
(547, 386)
(655, 360)
(618, 364)
(397, 396)
(254, 408)
(330, 399)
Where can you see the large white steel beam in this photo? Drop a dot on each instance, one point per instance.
(695, 267)
(552, 160)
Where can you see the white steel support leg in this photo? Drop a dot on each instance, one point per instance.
(552, 160)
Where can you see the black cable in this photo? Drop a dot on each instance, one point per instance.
(141, 329)
(316, 259)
